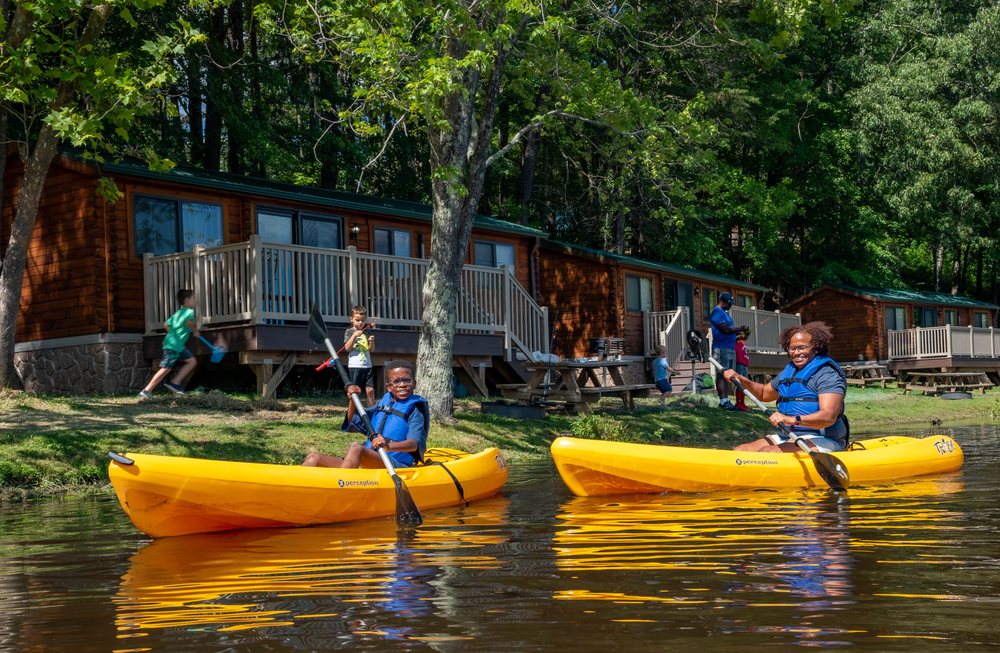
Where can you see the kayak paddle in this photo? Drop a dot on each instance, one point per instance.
(831, 469)
(407, 513)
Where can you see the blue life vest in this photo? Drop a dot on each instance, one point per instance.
(391, 421)
(795, 397)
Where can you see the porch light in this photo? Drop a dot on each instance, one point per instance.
(355, 230)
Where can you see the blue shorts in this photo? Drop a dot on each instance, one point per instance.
(725, 357)
(171, 357)
(663, 385)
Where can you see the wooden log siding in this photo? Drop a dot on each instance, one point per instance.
(581, 297)
(64, 280)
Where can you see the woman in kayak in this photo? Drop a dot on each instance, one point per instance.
(810, 394)
(401, 420)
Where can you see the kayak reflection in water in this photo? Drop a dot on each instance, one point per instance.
(810, 393)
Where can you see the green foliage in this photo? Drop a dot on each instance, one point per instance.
(600, 427)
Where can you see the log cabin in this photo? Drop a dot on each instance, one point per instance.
(102, 276)
(905, 329)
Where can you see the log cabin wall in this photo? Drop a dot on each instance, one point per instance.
(582, 298)
(65, 288)
(854, 321)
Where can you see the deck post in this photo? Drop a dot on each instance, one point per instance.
(507, 319)
(545, 338)
(256, 267)
(200, 287)
(148, 289)
(352, 276)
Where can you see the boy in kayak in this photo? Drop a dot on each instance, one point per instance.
(401, 420)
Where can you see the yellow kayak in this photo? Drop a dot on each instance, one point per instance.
(595, 467)
(166, 495)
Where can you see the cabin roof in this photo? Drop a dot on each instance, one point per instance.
(903, 296)
(659, 267)
(370, 203)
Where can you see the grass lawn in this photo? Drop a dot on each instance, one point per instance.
(59, 444)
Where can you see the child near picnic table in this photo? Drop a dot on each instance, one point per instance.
(662, 372)
(742, 363)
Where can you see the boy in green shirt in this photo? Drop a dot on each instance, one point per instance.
(180, 326)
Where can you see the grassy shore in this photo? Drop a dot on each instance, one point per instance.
(58, 444)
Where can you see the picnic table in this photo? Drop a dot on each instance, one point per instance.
(937, 382)
(575, 384)
(867, 373)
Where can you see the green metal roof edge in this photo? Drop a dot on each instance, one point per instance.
(287, 191)
(916, 296)
(369, 203)
(662, 267)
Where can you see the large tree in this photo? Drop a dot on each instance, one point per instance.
(62, 83)
(442, 68)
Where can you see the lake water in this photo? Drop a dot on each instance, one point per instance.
(913, 566)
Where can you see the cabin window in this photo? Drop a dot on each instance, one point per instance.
(167, 226)
(393, 242)
(638, 293)
(924, 316)
(744, 301)
(982, 320)
(951, 317)
(492, 255)
(895, 318)
(285, 227)
(708, 301)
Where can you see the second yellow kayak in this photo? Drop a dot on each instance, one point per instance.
(595, 467)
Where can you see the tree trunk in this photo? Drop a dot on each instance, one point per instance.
(215, 90)
(235, 84)
(956, 269)
(194, 111)
(938, 266)
(526, 181)
(461, 146)
(36, 169)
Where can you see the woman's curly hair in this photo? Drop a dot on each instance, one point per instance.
(820, 333)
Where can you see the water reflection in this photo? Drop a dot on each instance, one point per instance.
(792, 554)
(318, 588)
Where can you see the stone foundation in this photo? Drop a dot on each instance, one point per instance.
(102, 366)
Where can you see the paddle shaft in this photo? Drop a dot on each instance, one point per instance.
(767, 411)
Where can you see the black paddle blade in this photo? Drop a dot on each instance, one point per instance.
(407, 513)
(317, 328)
(832, 470)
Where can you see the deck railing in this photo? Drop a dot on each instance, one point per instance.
(944, 342)
(267, 283)
(667, 328)
(765, 327)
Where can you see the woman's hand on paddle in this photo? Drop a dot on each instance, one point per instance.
(378, 441)
(780, 419)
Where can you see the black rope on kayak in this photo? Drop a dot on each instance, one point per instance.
(458, 485)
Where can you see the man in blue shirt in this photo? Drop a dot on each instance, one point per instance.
(723, 346)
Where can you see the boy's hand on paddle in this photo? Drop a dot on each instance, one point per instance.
(353, 390)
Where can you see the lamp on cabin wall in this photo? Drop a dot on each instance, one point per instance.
(355, 230)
